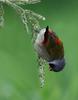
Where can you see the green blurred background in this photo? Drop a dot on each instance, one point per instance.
(18, 62)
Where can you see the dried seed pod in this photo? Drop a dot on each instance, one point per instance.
(25, 1)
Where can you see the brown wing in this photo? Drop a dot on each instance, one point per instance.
(56, 51)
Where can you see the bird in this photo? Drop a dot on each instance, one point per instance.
(50, 48)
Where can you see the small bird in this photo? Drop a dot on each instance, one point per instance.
(50, 48)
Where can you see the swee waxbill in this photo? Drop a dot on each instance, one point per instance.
(50, 48)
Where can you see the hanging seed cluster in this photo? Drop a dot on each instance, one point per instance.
(28, 17)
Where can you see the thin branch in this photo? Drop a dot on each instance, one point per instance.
(23, 13)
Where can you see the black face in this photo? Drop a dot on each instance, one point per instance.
(55, 68)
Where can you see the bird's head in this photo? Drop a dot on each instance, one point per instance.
(57, 65)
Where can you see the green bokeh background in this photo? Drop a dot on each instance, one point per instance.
(18, 66)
